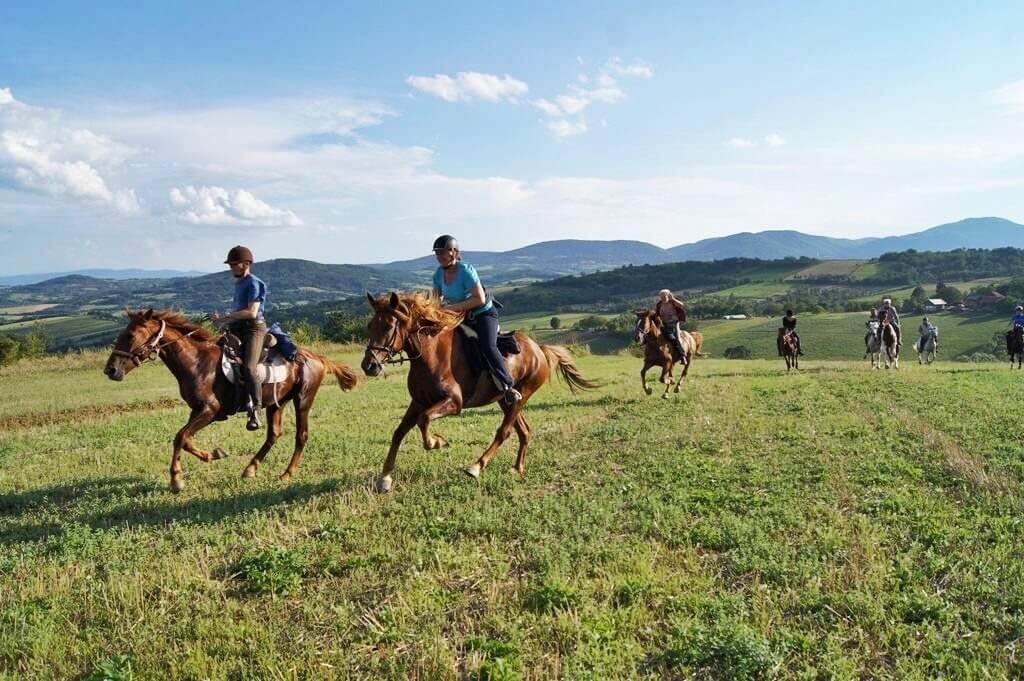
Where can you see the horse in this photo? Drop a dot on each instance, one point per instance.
(442, 380)
(874, 348)
(926, 351)
(790, 351)
(889, 349)
(1015, 345)
(659, 352)
(192, 354)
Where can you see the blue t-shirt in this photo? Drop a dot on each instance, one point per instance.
(1018, 319)
(461, 288)
(248, 290)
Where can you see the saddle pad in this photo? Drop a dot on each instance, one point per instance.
(274, 370)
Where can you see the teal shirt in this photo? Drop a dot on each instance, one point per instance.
(466, 279)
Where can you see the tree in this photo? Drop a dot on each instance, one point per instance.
(950, 294)
(10, 349)
(590, 322)
(35, 344)
(556, 323)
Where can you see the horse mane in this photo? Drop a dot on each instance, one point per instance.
(427, 308)
(177, 320)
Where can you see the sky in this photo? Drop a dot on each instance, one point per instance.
(158, 135)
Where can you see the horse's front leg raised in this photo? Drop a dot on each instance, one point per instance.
(199, 419)
(667, 379)
(413, 412)
(274, 414)
(643, 377)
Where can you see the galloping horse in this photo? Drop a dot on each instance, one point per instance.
(926, 350)
(874, 348)
(193, 356)
(658, 350)
(888, 347)
(790, 351)
(1015, 345)
(442, 380)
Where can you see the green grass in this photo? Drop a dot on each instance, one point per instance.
(824, 524)
(69, 332)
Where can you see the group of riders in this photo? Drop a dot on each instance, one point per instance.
(458, 286)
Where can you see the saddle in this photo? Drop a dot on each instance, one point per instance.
(507, 345)
(272, 369)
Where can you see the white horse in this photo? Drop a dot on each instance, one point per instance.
(874, 349)
(926, 352)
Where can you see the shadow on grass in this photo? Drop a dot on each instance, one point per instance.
(162, 507)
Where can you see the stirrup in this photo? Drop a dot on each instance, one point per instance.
(511, 396)
(253, 423)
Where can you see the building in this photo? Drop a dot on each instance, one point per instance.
(983, 301)
(935, 305)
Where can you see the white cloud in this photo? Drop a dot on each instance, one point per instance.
(637, 70)
(548, 107)
(40, 154)
(739, 143)
(572, 104)
(1010, 97)
(470, 85)
(563, 127)
(218, 206)
(775, 140)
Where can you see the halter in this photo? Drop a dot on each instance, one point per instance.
(152, 348)
(395, 356)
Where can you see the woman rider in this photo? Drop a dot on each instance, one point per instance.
(672, 311)
(459, 287)
(245, 320)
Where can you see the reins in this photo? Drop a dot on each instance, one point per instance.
(152, 348)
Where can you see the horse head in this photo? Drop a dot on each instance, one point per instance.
(389, 329)
(643, 325)
(137, 343)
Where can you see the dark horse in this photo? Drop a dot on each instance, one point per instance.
(193, 356)
(659, 352)
(888, 345)
(1015, 345)
(441, 379)
(790, 350)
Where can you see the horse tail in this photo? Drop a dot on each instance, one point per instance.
(561, 359)
(698, 343)
(347, 378)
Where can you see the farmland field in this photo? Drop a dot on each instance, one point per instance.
(836, 523)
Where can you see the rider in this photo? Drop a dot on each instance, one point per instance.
(924, 331)
(1018, 321)
(245, 320)
(672, 312)
(458, 285)
(789, 324)
(887, 311)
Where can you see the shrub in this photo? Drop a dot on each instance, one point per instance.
(738, 352)
(590, 323)
(304, 333)
(727, 650)
(117, 668)
(10, 350)
(275, 571)
(556, 323)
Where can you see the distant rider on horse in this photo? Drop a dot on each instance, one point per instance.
(888, 312)
(1018, 322)
(245, 320)
(925, 331)
(789, 324)
(672, 312)
(872, 323)
(458, 285)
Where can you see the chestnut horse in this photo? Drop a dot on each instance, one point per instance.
(442, 381)
(658, 350)
(193, 356)
(790, 351)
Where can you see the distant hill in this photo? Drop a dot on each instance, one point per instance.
(969, 233)
(769, 245)
(23, 279)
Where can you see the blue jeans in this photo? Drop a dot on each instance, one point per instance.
(486, 326)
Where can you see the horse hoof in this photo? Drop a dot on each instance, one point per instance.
(649, 391)
(219, 453)
(473, 471)
(177, 485)
(249, 472)
(384, 484)
(284, 477)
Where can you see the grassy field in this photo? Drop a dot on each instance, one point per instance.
(68, 332)
(835, 523)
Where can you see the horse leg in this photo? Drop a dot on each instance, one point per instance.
(274, 414)
(683, 373)
(198, 420)
(504, 430)
(445, 407)
(523, 432)
(301, 435)
(643, 377)
(405, 425)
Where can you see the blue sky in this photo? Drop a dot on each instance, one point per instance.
(142, 135)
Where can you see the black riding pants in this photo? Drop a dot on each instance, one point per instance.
(486, 326)
(251, 332)
(672, 331)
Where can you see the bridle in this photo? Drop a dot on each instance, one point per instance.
(152, 348)
(395, 355)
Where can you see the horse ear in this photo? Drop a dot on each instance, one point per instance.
(394, 301)
(149, 314)
(372, 300)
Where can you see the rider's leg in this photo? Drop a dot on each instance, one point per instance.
(799, 348)
(251, 334)
(778, 342)
(486, 327)
(678, 343)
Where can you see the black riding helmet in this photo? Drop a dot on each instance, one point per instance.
(444, 242)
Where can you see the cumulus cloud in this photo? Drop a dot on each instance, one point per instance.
(578, 98)
(211, 205)
(1010, 97)
(775, 140)
(38, 153)
(470, 85)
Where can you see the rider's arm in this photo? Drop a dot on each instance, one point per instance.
(251, 312)
(476, 299)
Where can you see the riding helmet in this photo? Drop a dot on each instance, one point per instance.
(239, 254)
(444, 242)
